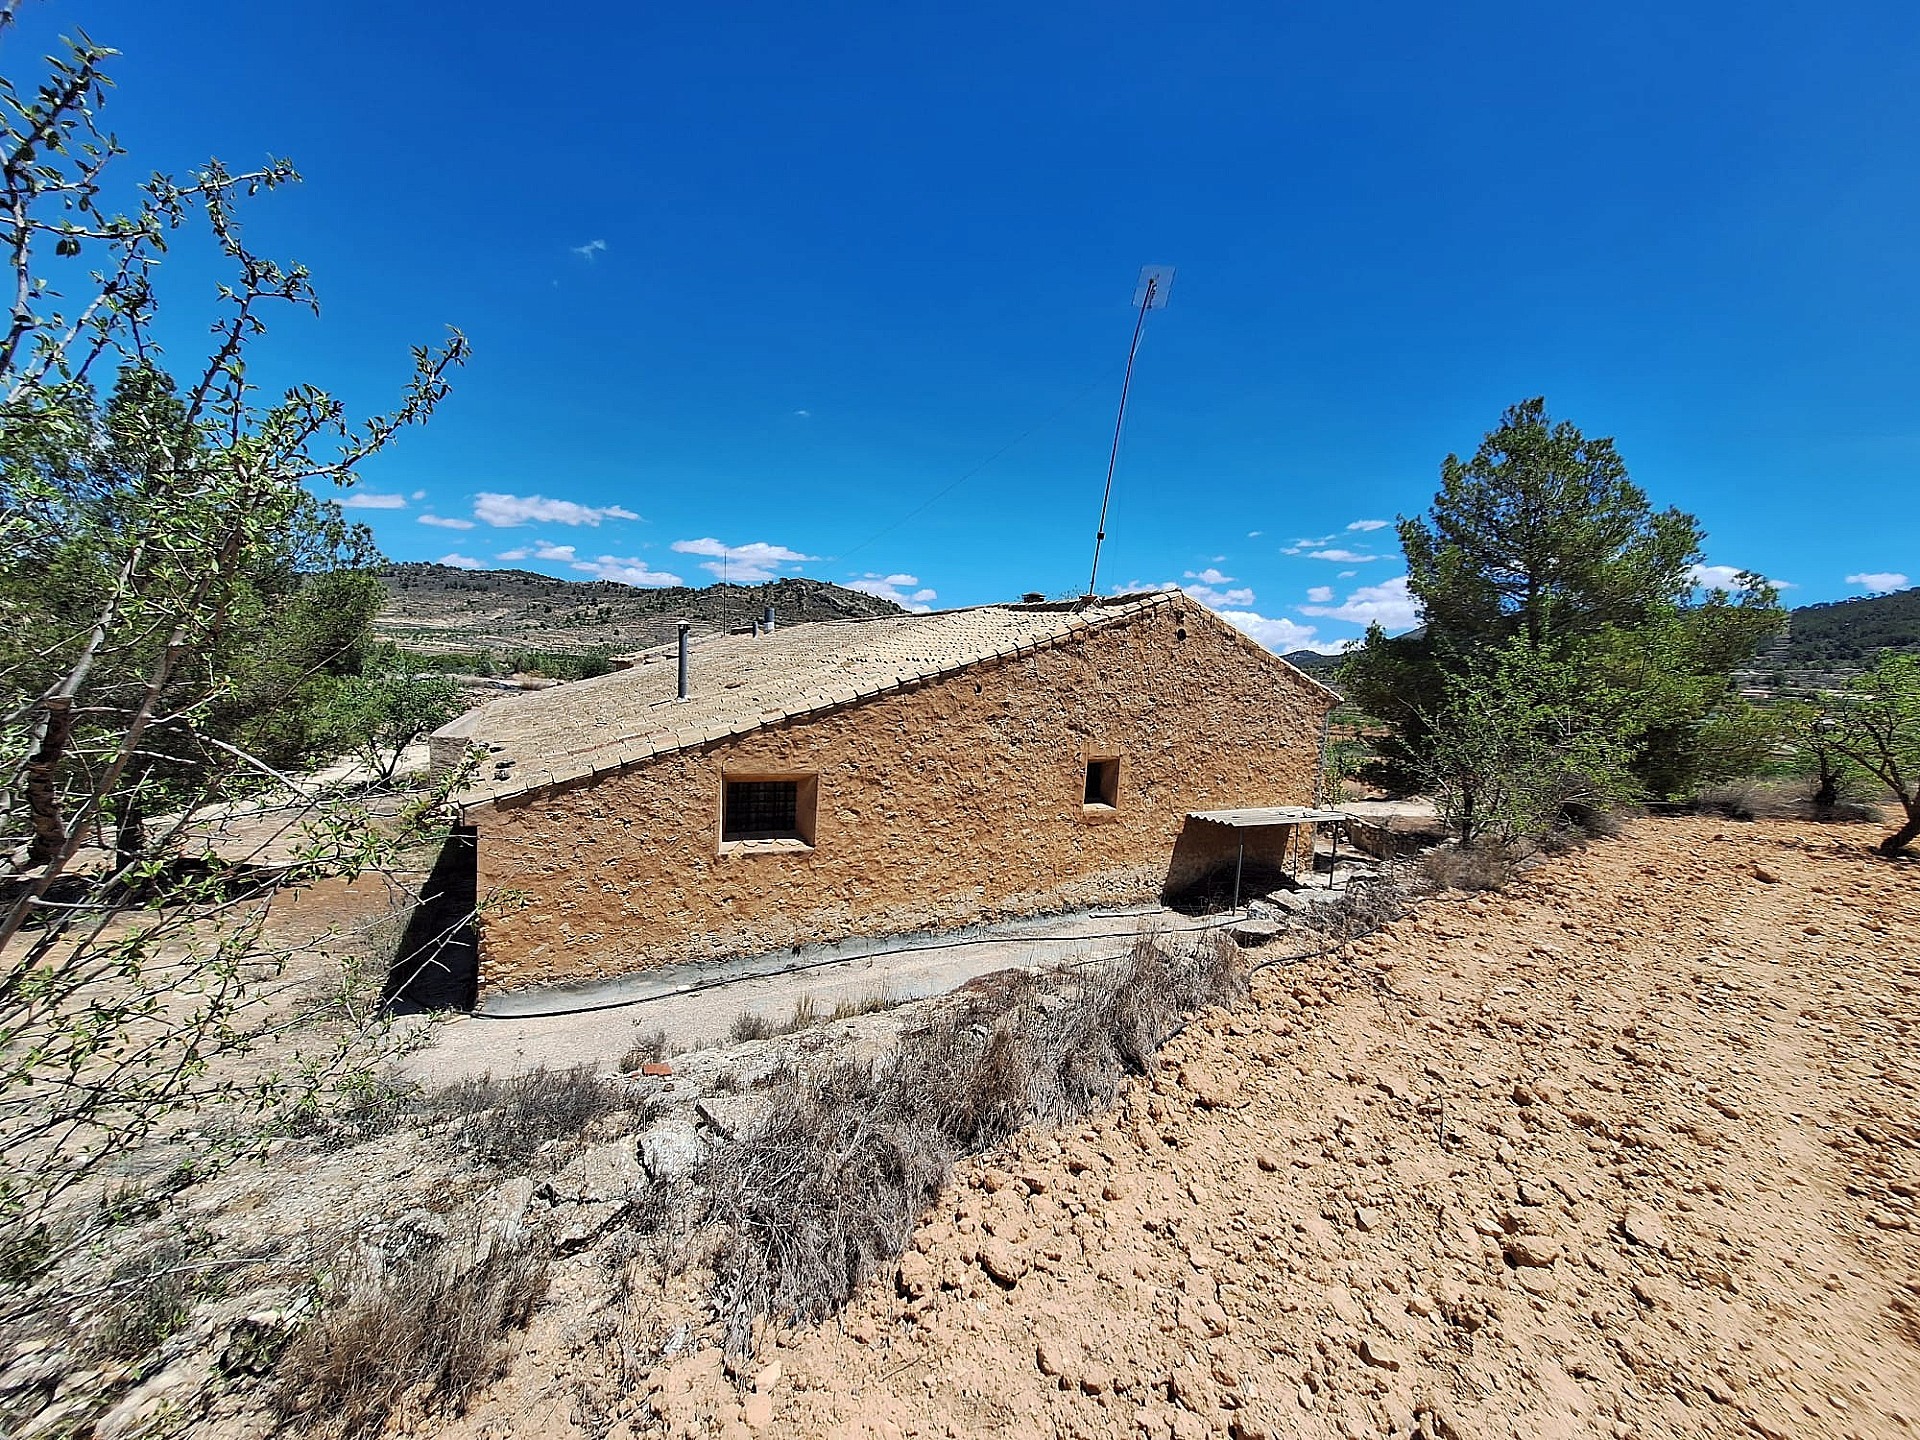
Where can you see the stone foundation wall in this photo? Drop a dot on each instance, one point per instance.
(953, 802)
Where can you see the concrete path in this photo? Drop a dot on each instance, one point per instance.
(697, 1004)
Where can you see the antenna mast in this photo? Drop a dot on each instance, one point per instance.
(1151, 294)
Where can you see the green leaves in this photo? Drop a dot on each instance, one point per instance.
(1542, 534)
(381, 712)
(1520, 737)
(1542, 541)
(174, 603)
(1874, 727)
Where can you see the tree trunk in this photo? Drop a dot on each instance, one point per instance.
(1905, 835)
(1828, 795)
(129, 832)
(43, 795)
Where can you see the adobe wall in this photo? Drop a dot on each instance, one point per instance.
(952, 802)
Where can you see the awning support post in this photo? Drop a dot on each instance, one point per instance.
(1239, 861)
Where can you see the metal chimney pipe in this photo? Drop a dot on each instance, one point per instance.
(767, 621)
(685, 626)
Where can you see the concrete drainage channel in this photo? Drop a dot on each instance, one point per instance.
(696, 1005)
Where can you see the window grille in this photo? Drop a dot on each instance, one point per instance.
(762, 810)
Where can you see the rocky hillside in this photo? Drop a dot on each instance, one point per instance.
(436, 608)
(1535, 1163)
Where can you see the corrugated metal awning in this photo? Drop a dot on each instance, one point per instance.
(1266, 817)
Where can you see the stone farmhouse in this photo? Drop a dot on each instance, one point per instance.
(874, 777)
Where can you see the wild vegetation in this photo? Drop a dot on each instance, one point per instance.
(828, 1189)
(1564, 662)
(1867, 736)
(180, 616)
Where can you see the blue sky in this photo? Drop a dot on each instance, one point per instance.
(843, 290)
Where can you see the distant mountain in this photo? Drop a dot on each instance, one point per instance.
(1844, 637)
(437, 609)
(1321, 667)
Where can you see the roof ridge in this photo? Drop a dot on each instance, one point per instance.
(632, 714)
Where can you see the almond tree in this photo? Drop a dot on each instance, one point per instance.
(1874, 727)
(124, 977)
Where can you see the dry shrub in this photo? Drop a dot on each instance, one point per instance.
(429, 1330)
(360, 1106)
(1369, 903)
(1467, 867)
(1763, 800)
(147, 1299)
(648, 1048)
(830, 1189)
(1594, 822)
(749, 1026)
(505, 1122)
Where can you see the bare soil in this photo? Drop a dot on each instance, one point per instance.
(1631, 1149)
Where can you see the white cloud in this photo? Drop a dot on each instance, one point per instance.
(503, 510)
(419, 494)
(628, 571)
(1723, 577)
(1210, 576)
(742, 564)
(1345, 574)
(804, 414)
(1238, 597)
(1305, 543)
(367, 500)
(444, 523)
(589, 250)
(1389, 603)
(1369, 525)
(1321, 594)
(542, 550)
(1343, 557)
(903, 590)
(1277, 634)
(459, 562)
(1236, 608)
(1882, 583)
(1255, 534)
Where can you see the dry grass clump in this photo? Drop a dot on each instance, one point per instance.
(806, 1014)
(830, 1189)
(882, 999)
(648, 1048)
(428, 1330)
(147, 1299)
(1369, 903)
(1467, 867)
(506, 1122)
(749, 1026)
(1774, 800)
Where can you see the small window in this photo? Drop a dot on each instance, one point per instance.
(774, 812)
(1103, 783)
